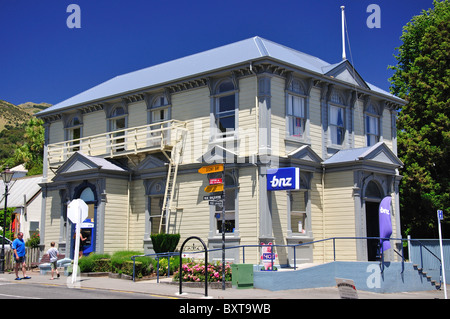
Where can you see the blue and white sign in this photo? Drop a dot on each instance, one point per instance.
(283, 178)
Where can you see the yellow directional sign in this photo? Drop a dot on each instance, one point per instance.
(211, 169)
(214, 188)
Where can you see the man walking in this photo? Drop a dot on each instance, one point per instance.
(19, 253)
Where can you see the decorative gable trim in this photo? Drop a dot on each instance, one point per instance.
(344, 71)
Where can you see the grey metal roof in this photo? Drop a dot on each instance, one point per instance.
(348, 155)
(28, 186)
(215, 59)
(378, 152)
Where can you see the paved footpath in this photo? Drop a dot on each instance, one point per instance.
(164, 288)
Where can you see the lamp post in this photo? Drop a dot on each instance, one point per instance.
(6, 177)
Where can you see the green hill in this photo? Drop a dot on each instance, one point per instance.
(13, 119)
(15, 115)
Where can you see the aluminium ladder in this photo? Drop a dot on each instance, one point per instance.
(174, 161)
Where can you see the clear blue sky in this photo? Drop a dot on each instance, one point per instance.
(42, 60)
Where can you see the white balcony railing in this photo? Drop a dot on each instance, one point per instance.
(146, 138)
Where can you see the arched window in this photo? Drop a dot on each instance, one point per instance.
(336, 119)
(373, 191)
(372, 123)
(73, 132)
(225, 108)
(160, 109)
(88, 196)
(118, 122)
(296, 109)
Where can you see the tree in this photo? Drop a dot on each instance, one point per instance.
(31, 152)
(422, 78)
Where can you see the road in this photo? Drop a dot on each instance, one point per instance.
(29, 290)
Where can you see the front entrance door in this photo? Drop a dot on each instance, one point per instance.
(373, 230)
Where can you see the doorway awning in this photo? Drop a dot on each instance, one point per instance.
(378, 156)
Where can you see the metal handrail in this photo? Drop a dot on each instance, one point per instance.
(333, 239)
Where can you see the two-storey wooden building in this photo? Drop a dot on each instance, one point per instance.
(131, 148)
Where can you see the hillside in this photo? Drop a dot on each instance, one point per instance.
(15, 115)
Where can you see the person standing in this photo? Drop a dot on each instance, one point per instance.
(53, 254)
(18, 246)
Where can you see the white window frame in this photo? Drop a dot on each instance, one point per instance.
(372, 125)
(296, 117)
(217, 114)
(334, 126)
(113, 127)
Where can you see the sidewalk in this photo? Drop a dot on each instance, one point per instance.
(164, 288)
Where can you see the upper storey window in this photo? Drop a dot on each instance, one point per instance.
(296, 109)
(336, 119)
(372, 123)
(74, 131)
(159, 109)
(225, 106)
(118, 124)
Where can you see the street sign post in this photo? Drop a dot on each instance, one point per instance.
(211, 169)
(214, 188)
(215, 181)
(213, 197)
(217, 185)
(440, 216)
(77, 211)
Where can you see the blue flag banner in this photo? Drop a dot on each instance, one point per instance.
(384, 216)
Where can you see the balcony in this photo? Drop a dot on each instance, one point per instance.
(154, 137)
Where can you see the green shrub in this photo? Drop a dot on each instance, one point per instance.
(102, 265)
(164, 265)
(120, 263)
(88, 263)
(33, 241)
(163, 243)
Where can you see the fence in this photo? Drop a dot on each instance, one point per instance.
(32, 257)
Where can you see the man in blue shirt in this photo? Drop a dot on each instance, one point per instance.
(19, 253)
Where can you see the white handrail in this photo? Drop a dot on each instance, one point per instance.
(120, 142)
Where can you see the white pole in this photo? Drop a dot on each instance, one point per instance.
(77, 248)
(442, 255)
(343, 33)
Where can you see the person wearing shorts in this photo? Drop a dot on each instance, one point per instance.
(53, 254)
(18, 246)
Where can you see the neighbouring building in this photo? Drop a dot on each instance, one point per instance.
(132, 146)
(25, 196)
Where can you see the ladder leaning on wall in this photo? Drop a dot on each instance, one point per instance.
(174, 161)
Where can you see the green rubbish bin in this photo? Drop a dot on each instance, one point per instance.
(242, 276)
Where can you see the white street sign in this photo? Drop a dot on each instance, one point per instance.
(77, 211)
(77, 208)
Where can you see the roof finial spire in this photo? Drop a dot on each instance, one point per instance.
(343, 33)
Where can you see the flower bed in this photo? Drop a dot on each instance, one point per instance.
(195, 272)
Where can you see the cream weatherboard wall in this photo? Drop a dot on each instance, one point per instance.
(193, 107)
(116, 228)
(339, 215)
(52, 218)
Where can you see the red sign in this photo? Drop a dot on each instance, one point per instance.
(215, 181)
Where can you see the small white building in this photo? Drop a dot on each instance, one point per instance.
(26, 196)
